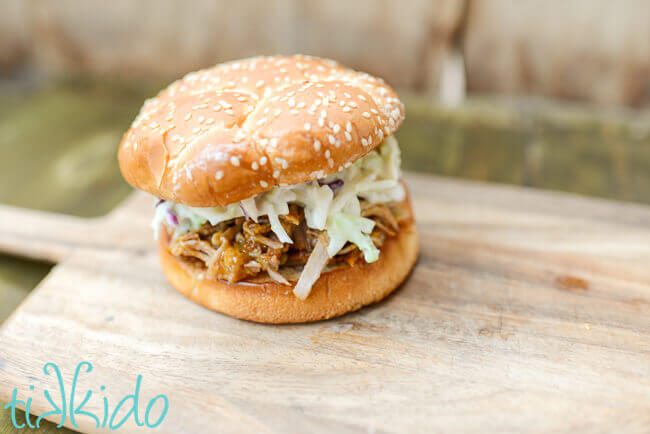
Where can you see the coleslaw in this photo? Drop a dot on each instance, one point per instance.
(330, 204)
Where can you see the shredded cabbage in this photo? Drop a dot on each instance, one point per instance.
(249, 208)
(343, 227)
(316, 201)
(275, 203)
(374, 178)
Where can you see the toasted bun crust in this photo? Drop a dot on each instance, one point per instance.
(335, 293)
(236, 130)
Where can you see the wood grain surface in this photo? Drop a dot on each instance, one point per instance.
(527, 312)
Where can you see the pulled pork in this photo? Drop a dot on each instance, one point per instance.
(240, 248)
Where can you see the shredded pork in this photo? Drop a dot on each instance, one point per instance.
(242, 248)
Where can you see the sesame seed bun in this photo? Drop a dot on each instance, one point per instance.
(230, 132)
(342, 290)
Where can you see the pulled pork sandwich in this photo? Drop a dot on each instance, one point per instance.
(279, 188)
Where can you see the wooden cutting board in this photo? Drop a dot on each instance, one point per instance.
(528, 311)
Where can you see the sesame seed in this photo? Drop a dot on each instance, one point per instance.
(327, 153)
(364, 142)
(263, 161)
(219, 174)
(230, 112)
(362, 98)
(276, 174)
(260, 83)
(255, 166)
(346, 109)
(234, 161)
(188, 116)
(348, 126)
(264, 184)
(321, 122)
(336, 128)
(307, 126)
(330, 162)
(316, 145)
(323, 114)
(348, 136)
(291, 102)
(274, 142)
(365, 114)
(331, 139)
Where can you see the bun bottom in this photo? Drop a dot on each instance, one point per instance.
(339, 291)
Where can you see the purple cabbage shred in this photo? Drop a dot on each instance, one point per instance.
(171, 218)
(334, 185)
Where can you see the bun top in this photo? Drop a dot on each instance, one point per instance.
(230, 132)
